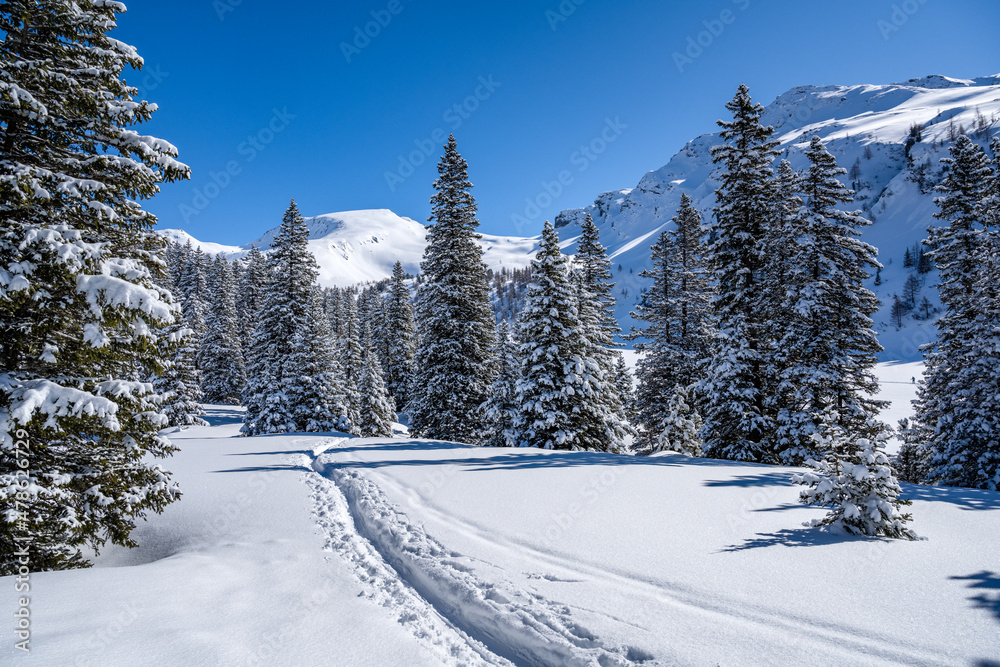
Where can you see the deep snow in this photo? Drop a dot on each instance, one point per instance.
(330, 550)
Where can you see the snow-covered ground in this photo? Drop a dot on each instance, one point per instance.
(329, 550)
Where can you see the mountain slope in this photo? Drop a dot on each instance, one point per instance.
(362, 246)
(864, 126)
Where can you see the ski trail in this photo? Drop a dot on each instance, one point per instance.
(866, 644)
(447, 643)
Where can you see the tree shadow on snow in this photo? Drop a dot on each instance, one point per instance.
(989, 584)
(796, 537)
(775, 478)
(967, 499)
(223, 416)
(271, 468)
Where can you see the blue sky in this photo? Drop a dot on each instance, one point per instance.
(265, 101)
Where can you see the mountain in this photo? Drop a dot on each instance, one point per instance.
(891, 137)
(361, 246)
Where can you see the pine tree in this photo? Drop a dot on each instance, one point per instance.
(351, 357)
(454, 316)
(553, 388)
(250, 296)
(855, 481)
(291, 277)
(625, 386)
(401, 334)
(598, 327)
(957, 404)
(827, 349)
(79, 307)
(677, 341)
(738, 422)
(220, 356)
(311, 376)
(501, 406)
(376, 411)
(193, 286)
(910, 463)
(680, 425)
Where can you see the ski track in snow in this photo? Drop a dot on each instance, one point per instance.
(529, 629)
(441, 600)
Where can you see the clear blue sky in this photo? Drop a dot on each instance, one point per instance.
(226, 71)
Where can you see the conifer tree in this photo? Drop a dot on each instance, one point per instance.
(855, 481)
(957, 406)
(501, 406)
(193, 287)
(250, 296)
(826, 346)
(598, 327)
(291, 277)
(312, 376)
(624, 385)
(553, 388)
(220, 357)
(738, 422)
(454, 316)
(376, 411)
(401, 336)
(676, 308)
(79, 307)
(680, 426)
(351, 356)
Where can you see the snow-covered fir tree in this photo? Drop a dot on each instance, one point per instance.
(910, 463)
(677, 340)
(250, 296)
(79, 306)
(179, 384)
(291, 276)
(826, 347)
(193, 287)
(738, 421)
(501, 406)
(680, 426)
(855, 481)
(625, 386)
(351, 357)
(454, 316)
(555, 398)
(598, 328)
(401, 337)
(220, 356)
(376, 410)
(958, 404)
(311, 377)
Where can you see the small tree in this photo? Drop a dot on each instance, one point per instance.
(856, 482)
(376, 411)
(680, 429)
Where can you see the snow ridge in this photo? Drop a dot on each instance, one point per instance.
(522, 627)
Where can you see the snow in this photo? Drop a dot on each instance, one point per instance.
(327, 549)
(354, 247)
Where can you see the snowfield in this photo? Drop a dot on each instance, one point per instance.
(332, 550)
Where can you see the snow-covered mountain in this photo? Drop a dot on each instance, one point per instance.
(867, 128)
(891, 137)
(362, 246)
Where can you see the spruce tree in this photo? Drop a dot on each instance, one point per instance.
(401, 335)
(250, 296)
(677, 340)
(291, 277)
(598, 327)
(311, 376)
(501, 406)
(738, 421)
(376, 410)
(454, 316)
(351, 357)
(220, 357)
(625, 386)
(855, 481)
(957, 406)
(680, 425)
(79, 307)
(553, 388)
(826, 346)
